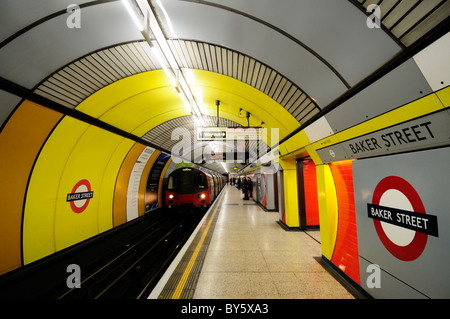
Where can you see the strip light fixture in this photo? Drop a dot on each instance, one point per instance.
(134, 15)
(146, 21)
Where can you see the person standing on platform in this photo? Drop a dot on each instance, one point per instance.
(250, 187)
(245, 188)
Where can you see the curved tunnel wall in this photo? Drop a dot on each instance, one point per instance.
(47, 163)
(20, 140)
(42, 162)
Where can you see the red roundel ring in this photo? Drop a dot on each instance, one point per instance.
(74, 207)
(414, 249)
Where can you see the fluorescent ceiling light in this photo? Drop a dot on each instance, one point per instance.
(198, 121)
(155, 28)
(169, 22)
(186, 103)
(133, 15)
(156, 52)
(162, 42)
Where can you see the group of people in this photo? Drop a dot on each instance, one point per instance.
(245, 184)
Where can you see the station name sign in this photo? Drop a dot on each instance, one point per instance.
(79, 196)
(429, 131)
(423, 223)
(392, 139)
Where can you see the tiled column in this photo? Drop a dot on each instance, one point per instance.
(290, 217)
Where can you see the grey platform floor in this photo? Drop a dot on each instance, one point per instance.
(250, 256)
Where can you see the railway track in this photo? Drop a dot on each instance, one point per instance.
(134, 272)
(125, 263)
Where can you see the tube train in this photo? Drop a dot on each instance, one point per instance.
(190, 186)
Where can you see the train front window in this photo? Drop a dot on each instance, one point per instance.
(200, 181)
(174, 181)
(186, 179)
(170, 185)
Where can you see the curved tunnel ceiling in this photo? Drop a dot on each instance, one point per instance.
(276, 59)
(78, 80)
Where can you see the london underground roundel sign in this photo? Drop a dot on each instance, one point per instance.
(80, 196)
(400, 219)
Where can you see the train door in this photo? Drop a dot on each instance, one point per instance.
(255, 190)
(271, 192)
(280, 178)
(187, 196)
(201, 186)
(258, 187)
(211, 187)
(216, 186)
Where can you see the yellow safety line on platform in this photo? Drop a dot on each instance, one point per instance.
(183, 280)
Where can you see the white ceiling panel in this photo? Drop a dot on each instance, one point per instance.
(18, 14)
(335, 30)
(434, 63)
(403, 85)
(318, 130)
(34, 55)
(231, 30)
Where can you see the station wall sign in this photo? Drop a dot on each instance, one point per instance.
(80, 196)
(431, 130)
(134, 183)
(211, 133)
(417, 219)
(229, 133)
(403, 224)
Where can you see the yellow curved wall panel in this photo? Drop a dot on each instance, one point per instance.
(132, 112)
(87, 161)
(444, 96)
(20, 142)
(296, 142)
(157, 120)
(77, 160)
(233, 94)
(42, 195)
(291, 217)
(107, 98)
(137, 103)
(140, 102)
(328, 209)
(108, 187)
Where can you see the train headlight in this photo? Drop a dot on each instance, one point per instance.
(202, 196)
(171, 196)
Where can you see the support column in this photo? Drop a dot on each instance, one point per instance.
(328, 209)
(301, 195)
(290, 217)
